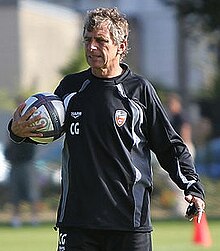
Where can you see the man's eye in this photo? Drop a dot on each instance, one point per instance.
(98, 40)
(86, 39)
(102, 40)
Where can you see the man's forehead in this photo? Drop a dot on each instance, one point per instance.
(101, 30)
(98, 33)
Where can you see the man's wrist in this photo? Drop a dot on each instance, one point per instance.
(14, 137)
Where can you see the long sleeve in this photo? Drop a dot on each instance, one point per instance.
(172, 153)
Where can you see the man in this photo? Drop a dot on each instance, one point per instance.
(21, 156)
(179, 120)
(113, 119)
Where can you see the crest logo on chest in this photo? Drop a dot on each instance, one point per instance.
(120, 117)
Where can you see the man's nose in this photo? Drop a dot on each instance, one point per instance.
(93, 45)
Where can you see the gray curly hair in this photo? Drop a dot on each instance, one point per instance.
(117, 23)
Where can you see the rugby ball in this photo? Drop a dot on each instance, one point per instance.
(52, 112)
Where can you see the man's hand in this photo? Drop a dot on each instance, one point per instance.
(24, 126)
(199, 205)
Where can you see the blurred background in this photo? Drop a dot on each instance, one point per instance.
(174, 44)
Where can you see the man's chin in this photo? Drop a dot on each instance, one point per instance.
(96, 66)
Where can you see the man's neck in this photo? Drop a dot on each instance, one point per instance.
(107, 72)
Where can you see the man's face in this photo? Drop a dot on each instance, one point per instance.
(100, 49)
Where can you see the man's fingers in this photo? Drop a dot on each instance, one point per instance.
(35, 135)
(199, 216)
(28, 124)
(21, 107)
(26, 115)
(188, 198)
(17, 113)
(29, 113)
(196, 207)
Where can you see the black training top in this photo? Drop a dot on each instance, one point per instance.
(111, 126)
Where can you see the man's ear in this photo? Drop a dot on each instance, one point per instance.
(122, 47)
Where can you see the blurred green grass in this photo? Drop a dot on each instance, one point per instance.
(28, 238)
(169, 235)
(178, 236)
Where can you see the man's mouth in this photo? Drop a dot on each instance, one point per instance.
(94, 56)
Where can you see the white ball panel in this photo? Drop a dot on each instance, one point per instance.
(29, 103)
(60, 109)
